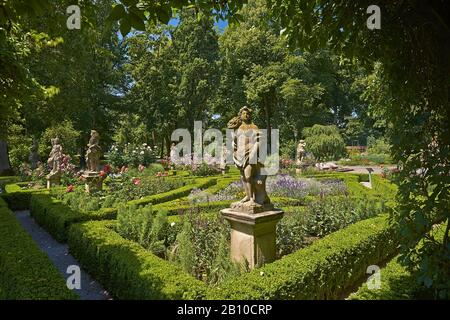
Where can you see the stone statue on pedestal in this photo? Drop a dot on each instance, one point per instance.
(94, 181)
(301, 151)
(246, 143)
(253, 219)
(93, 153)
(54, 162)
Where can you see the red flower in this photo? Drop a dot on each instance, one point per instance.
(69, 188)
(107, 168)
(141, 168)
(103, 174)
(136, 181)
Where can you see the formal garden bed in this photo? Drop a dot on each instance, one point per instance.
(165, 238)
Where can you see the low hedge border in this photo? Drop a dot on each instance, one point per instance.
(56, 217)
(396, 284)
(25, 271)
(126, 269)
(200, 183)
(18, 198)
(323, 270)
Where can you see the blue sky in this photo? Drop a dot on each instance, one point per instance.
(221, 25)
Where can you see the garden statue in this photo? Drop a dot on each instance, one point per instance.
(300, 151)
(54, 162)
(94, 180)
(246, 144)
(253, 220)
(93, 152)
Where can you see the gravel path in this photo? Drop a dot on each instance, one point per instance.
(59, 255)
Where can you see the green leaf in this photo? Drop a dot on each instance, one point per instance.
(117, 13)
(130, 3)
(125, 26)
(137, 22)
(164, 15)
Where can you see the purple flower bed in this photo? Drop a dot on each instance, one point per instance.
(232, 192)
(287, 186)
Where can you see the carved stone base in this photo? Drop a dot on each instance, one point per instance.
(94, 182)
(250, 207)
(51, 182)
(253, 236)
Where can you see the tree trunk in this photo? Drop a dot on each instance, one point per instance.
(5, 165)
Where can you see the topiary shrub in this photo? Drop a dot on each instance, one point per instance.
(324, 142)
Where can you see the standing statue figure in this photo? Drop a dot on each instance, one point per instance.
(93, 153)
(301, 151)
(246, 144)
(54, 162)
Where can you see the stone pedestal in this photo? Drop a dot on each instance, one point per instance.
(94, 182)
(253, 235)
(51, 182)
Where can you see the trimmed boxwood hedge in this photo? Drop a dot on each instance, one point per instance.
(323, 270)
(396, 284)
(56, 217)
(174, 194)
(125, 268)
(25, 271)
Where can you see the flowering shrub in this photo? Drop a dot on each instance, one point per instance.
(69, 174)
(287, 186)
(233, 191)
(202, 249)
(131, 155)
(119, 189)
(321, 217)
(207, 166)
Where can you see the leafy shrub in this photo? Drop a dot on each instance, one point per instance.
(19, 144)
(204, 170)
(142, 225)
(66, 134)
(378, 146)
(202, 249)
(324, 142)
(117, 191)
(321, 217)
(131, 155)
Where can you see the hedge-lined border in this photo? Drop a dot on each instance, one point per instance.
(125, 268)
(25, 271)
(323, 270)
(56, 217)
(396, 284)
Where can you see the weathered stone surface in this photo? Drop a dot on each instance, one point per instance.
(253, 236)
(93, 181)
(94, 152)
(246, 146)
(54, 162)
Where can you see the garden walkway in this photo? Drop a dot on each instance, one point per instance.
(59, 255)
